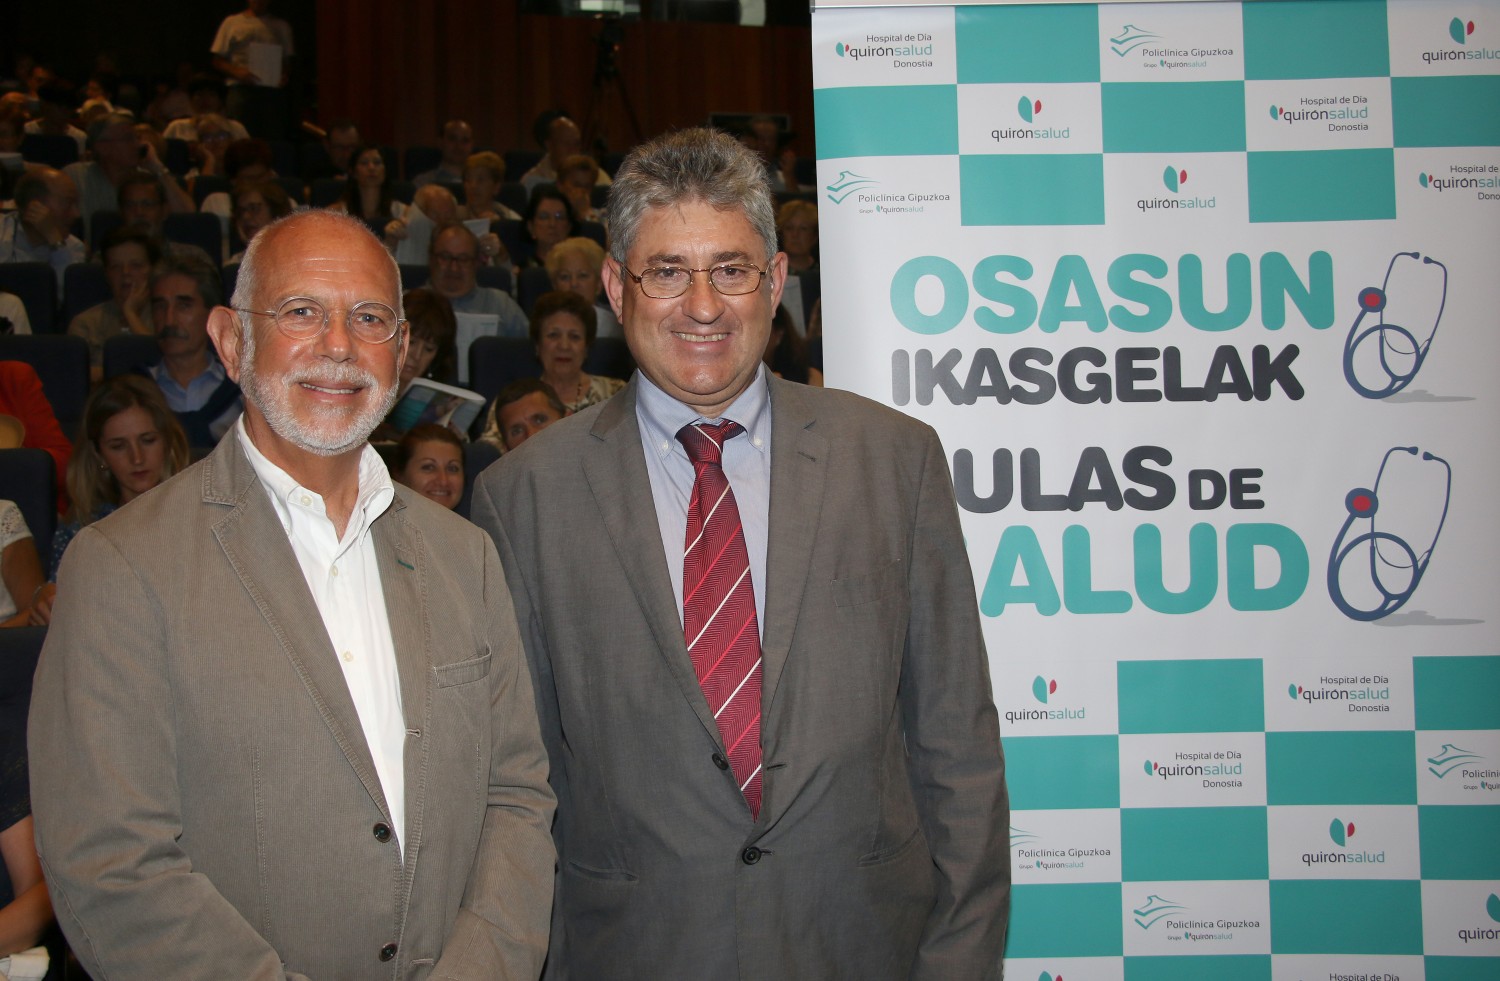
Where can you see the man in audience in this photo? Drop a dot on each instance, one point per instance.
(772, 737)
(38, 230)
(339, 144)
(453, 260)
(563, 140)
(458, 144)
(281, 726)
(198, 389)
(207, 100)
(55, 114)
(143, 207)
(118, 153)
(129, 255)
(522, 409)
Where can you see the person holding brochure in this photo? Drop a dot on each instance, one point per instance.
(481, 311)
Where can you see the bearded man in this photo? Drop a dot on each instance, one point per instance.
(282, 728)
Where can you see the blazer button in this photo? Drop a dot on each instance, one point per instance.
(387, 952)
(382, 833)
(720, 761)
(750, 855)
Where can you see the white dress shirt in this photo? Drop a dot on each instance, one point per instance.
(344, 579)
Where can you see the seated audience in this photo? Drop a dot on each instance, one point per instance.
(483, 175)
(143, 206)
(453, 257)
(560, 138)
(55, 114)
(430, 460)
(25, 907)
(340, 142)
(763, 135)
(207, 99)
(368, 194)
(129, 256)
(575, 264)
(38, 230)
(245, 161)
(117, 153)
(786, 352)
(204, 399)
(548, 220)
(21, 573)
(457, 144)
(21, 396)
(576, 179)
(431, 329)
(215, 133)
(129, 442)
(256, 204)
(797, 223)
(522, 409)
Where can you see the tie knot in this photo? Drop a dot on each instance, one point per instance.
(704, 441)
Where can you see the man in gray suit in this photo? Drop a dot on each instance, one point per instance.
(752, 629)
(282, 727)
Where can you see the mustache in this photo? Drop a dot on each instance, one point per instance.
(333, 376)
(171, 333)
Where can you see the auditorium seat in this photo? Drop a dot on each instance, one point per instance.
(130, 353)
(62, 364)
(196, 228)
(84, 286)
(29, 478)
(54, 150)
(35, 283)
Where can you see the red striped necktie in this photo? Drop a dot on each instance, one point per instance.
(718, 605)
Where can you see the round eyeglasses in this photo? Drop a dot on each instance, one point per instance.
(667, 282)
(302, 318)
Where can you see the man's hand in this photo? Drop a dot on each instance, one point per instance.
(41, 604)
(38, 216)
(137, 308)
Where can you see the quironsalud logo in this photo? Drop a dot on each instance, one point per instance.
(1341, 832)
(1450, 758)
(1480, 931)
(1048, 976)
(1043, 688)
(1130, 38)
(847, 183)
(1174, 178)
(1153, 910)
(1459, 30)
(1029, 109)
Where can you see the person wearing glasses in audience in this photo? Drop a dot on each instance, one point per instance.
(753, 630)
(548, 220)
(295, 737)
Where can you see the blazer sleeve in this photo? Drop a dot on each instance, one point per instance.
(487, 516)
(953, 738)
(501, 930)
(104, 789)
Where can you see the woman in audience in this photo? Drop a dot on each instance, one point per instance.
(483, 174)
(797, 222)
(786, 352)
(430, 460)
(244, 161)
(563, 328)
(575, 265)
(432, 328)
(25, 907)
(368, 194)
(548, 220)
(20, 567)
(256, 205)
(129, 442)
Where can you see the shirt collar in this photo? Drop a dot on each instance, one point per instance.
(376, 492)
(661, 416)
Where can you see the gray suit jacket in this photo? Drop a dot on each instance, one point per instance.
(206, 805)
(881, 850)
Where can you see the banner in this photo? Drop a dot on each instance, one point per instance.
(1202, 298)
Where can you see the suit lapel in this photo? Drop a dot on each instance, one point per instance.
(256, 546)
(799, 464)
(615, 468)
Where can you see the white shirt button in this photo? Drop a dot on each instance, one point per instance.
(348, 656)
(334, 570)
(306, 501)
(756, 440)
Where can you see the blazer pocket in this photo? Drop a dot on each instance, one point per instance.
(859, 590)
(600, 875)
(461, 672)
(885, 855)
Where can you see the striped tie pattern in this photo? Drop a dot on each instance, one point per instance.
(718, 605)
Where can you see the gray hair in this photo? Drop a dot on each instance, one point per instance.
(247, 282)
(690, 165)
(203, 274)
(105, 123)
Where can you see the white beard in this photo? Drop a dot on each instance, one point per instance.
(323, 437)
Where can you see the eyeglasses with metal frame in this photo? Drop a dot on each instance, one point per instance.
(669, 282)
(302, 318)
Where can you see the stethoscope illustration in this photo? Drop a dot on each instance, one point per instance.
(1394, 340)
(1387, 552)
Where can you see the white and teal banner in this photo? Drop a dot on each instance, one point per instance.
(1204, 299)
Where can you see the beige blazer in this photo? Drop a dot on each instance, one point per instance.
(881, 850)
(206, 805)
